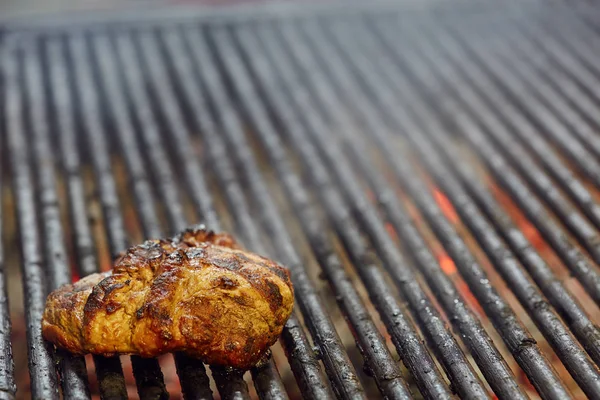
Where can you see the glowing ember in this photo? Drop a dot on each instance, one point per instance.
(391, 231)
(445, 205)
(447, 264)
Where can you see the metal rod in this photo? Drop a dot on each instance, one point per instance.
(40, 358)
(108, 370)
(513, 332)
(571, 54)
(301, 356)
(486, 355)
(337, 364)
(149, 377)
(582, 268)
(556, 292)
(559, 296)
(532, 137)
(230, 385)
(192, 374)
(416, 359)
(580, 227)
(73, 373)
(270, 385)
(8, 386)
(550, 65)
(576, 361)
(377, 357)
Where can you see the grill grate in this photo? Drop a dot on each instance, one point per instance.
(392, 156)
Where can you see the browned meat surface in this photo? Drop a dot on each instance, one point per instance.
(199, 293)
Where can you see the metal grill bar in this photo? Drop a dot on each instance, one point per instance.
(580, 227)
(337, 363)
(16, 150)
(73, 373)
(560, 338)
(303, 88)
(301, 356)
(591, 371)
(192, 373)
(377, 357)
(569, 56)
(452, 300)
(560, 297)
(108, 370)
(41, 362)
(425, 313)
(8, 386)
(495, 370)
(582, 268)
(149, 377)
(274, 387)
(461, 256)
(533, 140)
(550, 89)
(269, 382)
(558, 71)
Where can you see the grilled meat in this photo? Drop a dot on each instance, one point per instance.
(199, 293)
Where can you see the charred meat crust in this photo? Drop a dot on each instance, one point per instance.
(199, 293)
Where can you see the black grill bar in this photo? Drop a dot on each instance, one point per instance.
(193, 378)
(267, 379)
(559, 296)
(500, 256)
(73, 373)
(516, 336)
(324, 138)
(576, 59)
(230, 385)
(301, 356)
(582, 369)
(41, 361)
(578, 225)
(425, 311)
(581, 267)
(559, 68)
(337, 364)
(495, 370)
(560, 338)
(377, 357)
(531, 137)
(552, 78)
(108, 370)
(551, 122)
(421, 299)
(452, 300)
(149, 377)
(7, 368)
(13, 110)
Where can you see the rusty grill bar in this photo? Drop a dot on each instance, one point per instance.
(436, 168)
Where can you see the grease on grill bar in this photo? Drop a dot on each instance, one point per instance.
(429, 175)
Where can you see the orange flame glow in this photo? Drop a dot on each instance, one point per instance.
(446, 263)
(445, 205)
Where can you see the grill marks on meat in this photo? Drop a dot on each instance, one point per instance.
(199, 293)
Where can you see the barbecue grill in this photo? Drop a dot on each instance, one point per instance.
(430, 173)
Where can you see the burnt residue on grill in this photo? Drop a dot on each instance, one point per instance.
(429, 174)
